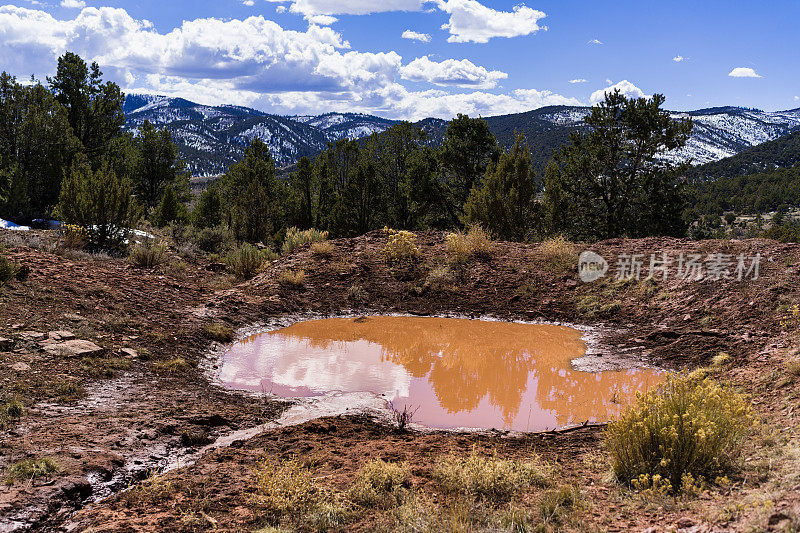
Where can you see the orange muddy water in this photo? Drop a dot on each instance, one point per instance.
(456, 373)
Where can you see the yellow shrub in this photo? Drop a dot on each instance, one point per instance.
(74, 236)
(791, 318)
(381, 484)
(690, 425)
(401, 247)
(489, 478)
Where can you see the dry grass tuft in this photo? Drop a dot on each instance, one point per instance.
(29, 469)
(357, 293)
(381, 484)
(292, 278)
(296, 238)
(217, 331)
(323, 249)
(557, 255)
(147, 254)
(463, 247)
(489, 478)
(285, 491)
(441, 278)
(176, 365)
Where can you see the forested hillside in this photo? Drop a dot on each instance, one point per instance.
(783, 152)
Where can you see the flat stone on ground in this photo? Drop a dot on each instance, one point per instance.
(21, 367)
(61, 335)
(129, 352)
(73, 348)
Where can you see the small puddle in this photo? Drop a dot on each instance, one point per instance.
(456, 373)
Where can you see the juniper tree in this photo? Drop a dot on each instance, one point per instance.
(506, 202)
(100, 201)
(613, 180)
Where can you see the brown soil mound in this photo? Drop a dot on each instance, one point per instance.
(109, 419)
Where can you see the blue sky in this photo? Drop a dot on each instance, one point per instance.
(474, 56)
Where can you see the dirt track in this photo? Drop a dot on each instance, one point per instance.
(133, 416)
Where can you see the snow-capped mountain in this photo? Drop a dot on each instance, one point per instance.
(718, 132)
(211, 138)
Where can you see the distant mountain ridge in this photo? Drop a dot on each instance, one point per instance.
(211, 138)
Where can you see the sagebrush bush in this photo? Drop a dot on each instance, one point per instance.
(691, 425)
(292, 278)
(440, 278)
(463, 247)
(247, 261)
(401, 247)
(296, 238)
(147, 254)
(356, 293)
(210, 240)
(8, 269)
(29, 469)
(489, 478)
(11, 410)
(381, 484)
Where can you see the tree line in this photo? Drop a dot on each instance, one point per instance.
(63, 153)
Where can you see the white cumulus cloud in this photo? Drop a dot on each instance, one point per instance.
(471, 21)
(743, 72)
(461, 73)
(352, 7)
(416, 36)
(595, 42)
(255, 62)
(578, 80)
(678, 58)
(73, 4)
(625, 87)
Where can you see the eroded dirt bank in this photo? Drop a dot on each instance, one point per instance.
(107, 418)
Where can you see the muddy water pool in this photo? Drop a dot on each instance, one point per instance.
(452, 372)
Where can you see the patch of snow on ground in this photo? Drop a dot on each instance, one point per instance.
(5, 224)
